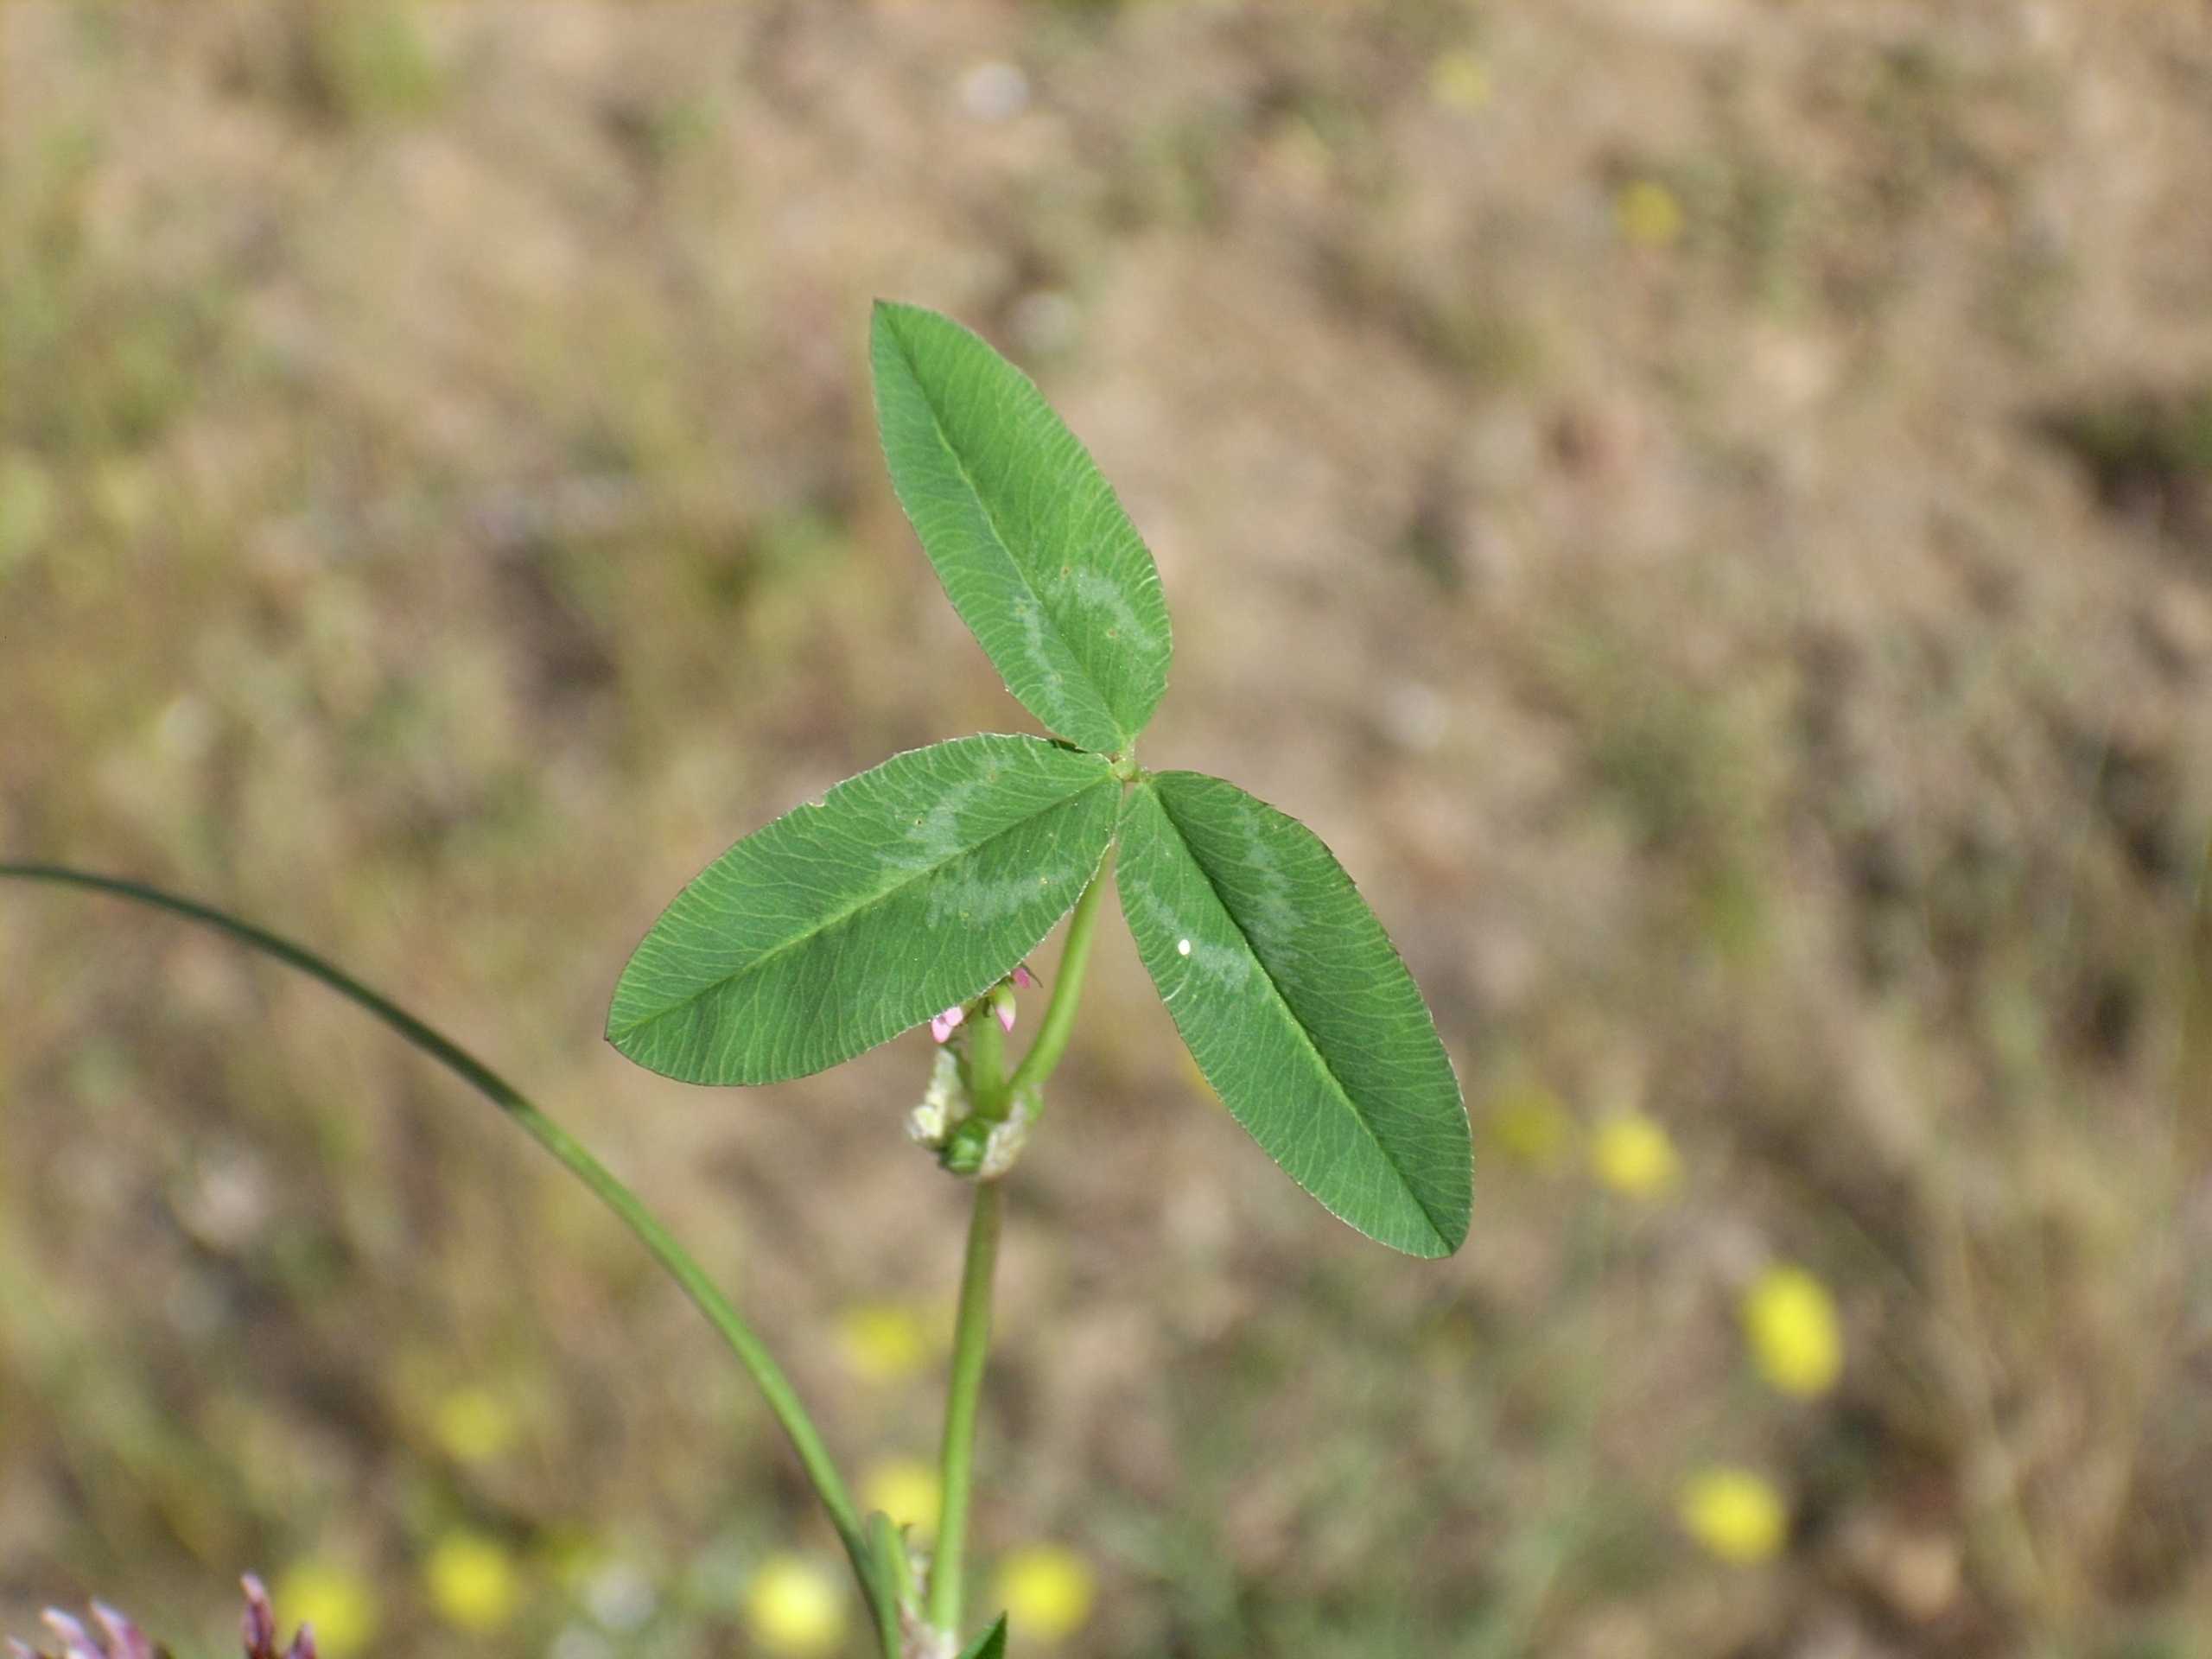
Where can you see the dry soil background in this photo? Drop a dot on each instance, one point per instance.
(1703, 503)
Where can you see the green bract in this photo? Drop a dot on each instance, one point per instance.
(916, 886)
(991, 1644)
(1035, 553)
(901, 892)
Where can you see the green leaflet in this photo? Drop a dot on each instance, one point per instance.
(903, 890)
(1033, 550)
(991, 1644)
(1296, 1007)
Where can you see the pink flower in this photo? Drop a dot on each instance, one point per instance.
(124, 1640)
(1001, 998)
(260, 1627)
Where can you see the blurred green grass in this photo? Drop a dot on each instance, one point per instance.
(1688, 501)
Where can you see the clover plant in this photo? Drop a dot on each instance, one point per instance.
(914, 892)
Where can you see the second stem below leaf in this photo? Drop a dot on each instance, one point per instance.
(971, 1347)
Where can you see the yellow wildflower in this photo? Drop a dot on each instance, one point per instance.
(1735, 1513)
(905, 1489)
(473, 1426)
(1529, 1124)
(339, 1603)
(1460, 80)
(1047, 1591)
(1632, 1154)
(472, 1582)
(882, 1342)
(1796, 1339)
(794, 1606)
(1650, 214)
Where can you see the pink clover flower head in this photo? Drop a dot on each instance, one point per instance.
(259, 1627)
(122, 1639)
(945, 1024)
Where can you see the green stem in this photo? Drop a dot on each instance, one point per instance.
(970, 1347)
(1059, 1013)
(893, 1588)
(971, 1342)
(775, 1388)
(768, 1376)
(986, 1045)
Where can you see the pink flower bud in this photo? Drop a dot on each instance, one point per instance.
(260, 1621)
(942, 1028)
(76, 1640)
(1022, 976)
(124, 1639)
(1004, 1009)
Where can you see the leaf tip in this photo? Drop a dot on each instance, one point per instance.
(885, 315)
(1444, 1241)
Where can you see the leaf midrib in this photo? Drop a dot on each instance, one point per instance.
(1304, 1036)
(841, 917)
(998, 534)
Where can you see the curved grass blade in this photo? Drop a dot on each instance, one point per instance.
(1297, 1007)
(768, 1376)
(1033, 549)
(904, 891)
